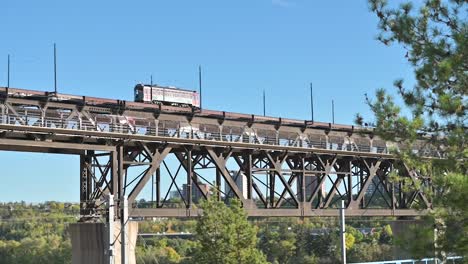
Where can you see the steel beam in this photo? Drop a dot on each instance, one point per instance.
(183, 212)
(49, 147)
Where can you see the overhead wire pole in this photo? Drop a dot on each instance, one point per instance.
(55, 69)
(8, 72)
(312, 102)
(200, 83)
(264, 104)
(333, 112)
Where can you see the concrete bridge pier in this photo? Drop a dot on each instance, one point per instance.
(90, 243)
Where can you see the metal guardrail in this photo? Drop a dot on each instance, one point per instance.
(455, 259)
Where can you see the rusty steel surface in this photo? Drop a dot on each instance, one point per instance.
(275, 166)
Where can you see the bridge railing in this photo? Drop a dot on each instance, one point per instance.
(453, 259)
(30, 116)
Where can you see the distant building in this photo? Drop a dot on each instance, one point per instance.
(241, 182)
(196, 193)
(311, 183)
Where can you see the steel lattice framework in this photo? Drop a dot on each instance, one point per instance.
(276, 167)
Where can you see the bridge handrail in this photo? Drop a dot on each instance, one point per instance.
(413, 261)
(26, 115)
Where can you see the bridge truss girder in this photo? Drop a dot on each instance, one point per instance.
(274, 183)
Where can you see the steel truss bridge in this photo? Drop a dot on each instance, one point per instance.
(288, 167)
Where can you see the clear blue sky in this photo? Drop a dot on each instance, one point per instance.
(244, 46)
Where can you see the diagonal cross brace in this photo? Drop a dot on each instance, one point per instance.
(277, 164)
(372, 172)
(157, 158)
(326, 170)
(88, 116)
(16, 115)
(411, 174)
(220, 163)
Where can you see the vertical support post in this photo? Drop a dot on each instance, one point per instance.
(80, 120)
(112, 125)
(85, 182)
(271, 174)
(248, 175)
(156, 126)
(350, 183)
(158, 187)
(120, 174)
(361, 178)
(114, 188)
(218, 185)
(220, 133)
(110, 226)
(152, 190)
(123, 231)
(189, 179)
(320, 194)
(303, 197)
(3, 121)
(343, 232)
(89, 176)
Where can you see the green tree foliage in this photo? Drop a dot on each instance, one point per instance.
(434, 36)
(369, 252)
(225, 236)
(38, 234)
(158, 253)
(423, 234)
(278, 240)
(35, 233)
(358, 236)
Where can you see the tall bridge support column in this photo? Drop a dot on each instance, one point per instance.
(90, 243)
(95, 240)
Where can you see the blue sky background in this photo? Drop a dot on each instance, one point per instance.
(244, 47)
